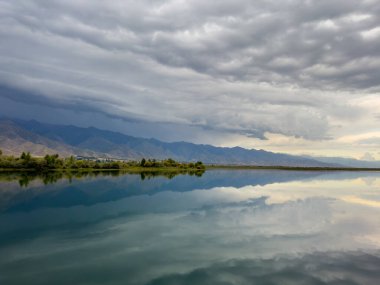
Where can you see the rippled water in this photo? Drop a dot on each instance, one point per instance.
(226, 227)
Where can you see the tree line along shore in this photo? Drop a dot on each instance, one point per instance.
(53, 162)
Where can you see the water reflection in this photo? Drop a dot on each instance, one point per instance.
(51, 177)
(313, 269)
(226, 227)
(28, 191)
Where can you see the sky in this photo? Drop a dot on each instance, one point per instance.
(293, 76)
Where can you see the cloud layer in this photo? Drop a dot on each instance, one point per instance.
(293, 68)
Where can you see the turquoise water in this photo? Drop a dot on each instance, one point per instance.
(225, 227)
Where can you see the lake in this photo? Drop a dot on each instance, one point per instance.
(222, 227)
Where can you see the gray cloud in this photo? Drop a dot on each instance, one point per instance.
(232, 66)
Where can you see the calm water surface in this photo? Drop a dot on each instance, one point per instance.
(226, 227)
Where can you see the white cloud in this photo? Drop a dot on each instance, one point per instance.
(371, 34)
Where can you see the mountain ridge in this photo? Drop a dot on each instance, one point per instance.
(72, 140)
(14, 140)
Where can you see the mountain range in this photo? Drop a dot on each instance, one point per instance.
(39, 139)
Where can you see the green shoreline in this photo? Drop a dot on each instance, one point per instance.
(51, 175)
(131, 169)
(50, 163)
(53, 163)
(176, 169)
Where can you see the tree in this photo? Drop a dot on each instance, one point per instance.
(170, 162)
(51, 160)
(26, 156)
(199, 165)
(142, 163)
(70, 161)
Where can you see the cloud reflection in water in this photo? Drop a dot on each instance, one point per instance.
(299, 231)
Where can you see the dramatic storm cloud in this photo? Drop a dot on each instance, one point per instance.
(295, 73)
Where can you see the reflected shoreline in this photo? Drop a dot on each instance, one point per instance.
(25, 191)
(24, 178)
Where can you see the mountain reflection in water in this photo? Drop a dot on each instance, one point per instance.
(225, 227)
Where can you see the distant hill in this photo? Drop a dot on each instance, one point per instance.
(350, 162)
(14, 139)
(40, 138)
